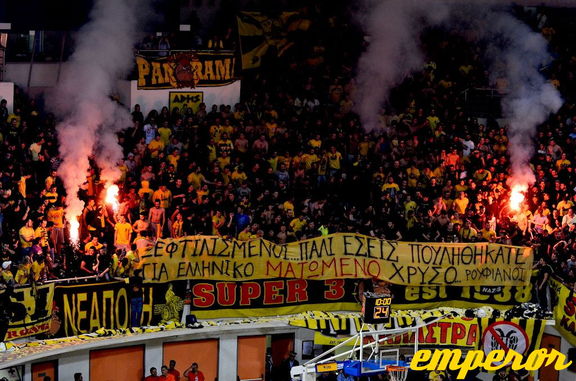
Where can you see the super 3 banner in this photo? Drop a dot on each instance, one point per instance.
(84, 308)
(338, 256)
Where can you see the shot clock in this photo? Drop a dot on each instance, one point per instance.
(376, 308)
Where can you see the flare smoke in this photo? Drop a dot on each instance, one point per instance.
(514, 52)
(530, 98)
(90, 118)
(393, 28)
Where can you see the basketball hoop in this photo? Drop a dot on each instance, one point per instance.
(397, 373)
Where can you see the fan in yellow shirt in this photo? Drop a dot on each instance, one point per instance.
(297, 224)
(196, 178)
(155, 147)
(164, 195)
(122, 234)
(461, 203)
(23, 274)
(174, 158)
(239, 176)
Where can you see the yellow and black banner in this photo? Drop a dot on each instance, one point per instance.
(338, 256)
(84, 308)
(453, 332)
(565, 311)
(430, 297)
(184, 100)
(259, 32)
(186, 69)
(214, 299)
(27, 310)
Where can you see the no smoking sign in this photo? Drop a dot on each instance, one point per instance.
(505, 335)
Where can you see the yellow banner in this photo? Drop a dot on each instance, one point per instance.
(521, 335)
(338, 256)
(31, 311)
(565, 311)
(184, 100)
(454, 333)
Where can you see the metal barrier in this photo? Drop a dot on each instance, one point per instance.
(168, 52)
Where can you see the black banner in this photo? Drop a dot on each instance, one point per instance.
(87, 307)
(213, 299)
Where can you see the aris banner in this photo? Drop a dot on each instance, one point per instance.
(565, 311)
(25, 311)
(186, 69)
(338, 256)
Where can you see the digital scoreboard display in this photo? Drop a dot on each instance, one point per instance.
(377, 309)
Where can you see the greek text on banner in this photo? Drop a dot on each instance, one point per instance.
(338, 256)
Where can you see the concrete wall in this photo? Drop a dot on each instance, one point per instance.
(43, 74)
(156, 99)
(7, 92)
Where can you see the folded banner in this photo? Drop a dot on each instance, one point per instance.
(186, 69)
(25, 311)
(565, 311)
(339, 256)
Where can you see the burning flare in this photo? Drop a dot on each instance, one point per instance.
(517, 196)
(74, 231)
(112, 197)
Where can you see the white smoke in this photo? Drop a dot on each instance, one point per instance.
(514, 52)
(530, 98)
(90, 118)
(393, 28)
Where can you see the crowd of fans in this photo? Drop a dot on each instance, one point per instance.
(291, 161)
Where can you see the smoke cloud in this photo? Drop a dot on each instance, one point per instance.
(90, 118)
(514, 52)
(393, 28)
(530, 98)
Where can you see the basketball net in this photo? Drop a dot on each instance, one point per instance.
(397, 373)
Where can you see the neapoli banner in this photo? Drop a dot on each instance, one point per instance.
(338, 256)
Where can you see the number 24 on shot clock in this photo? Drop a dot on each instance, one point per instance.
(377, 309)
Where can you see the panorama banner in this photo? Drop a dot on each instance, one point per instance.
(26, 311)
(338, 256)
(186, 69)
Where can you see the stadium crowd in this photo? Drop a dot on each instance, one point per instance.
(291, 161)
